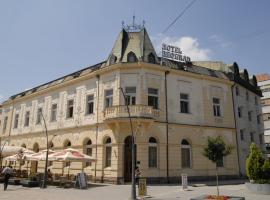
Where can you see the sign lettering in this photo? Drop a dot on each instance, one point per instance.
(173, 53)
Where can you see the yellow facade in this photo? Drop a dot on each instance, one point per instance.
(112, 122)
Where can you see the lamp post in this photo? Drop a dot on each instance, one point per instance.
(133, 186)
(44, 183)
(1, 150)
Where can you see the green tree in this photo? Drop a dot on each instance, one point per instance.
(215, 151)
(266, 170)
(254, 163)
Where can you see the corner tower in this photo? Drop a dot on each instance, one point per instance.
(133, 44)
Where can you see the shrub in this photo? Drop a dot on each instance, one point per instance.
(254, 163)
(266, 170)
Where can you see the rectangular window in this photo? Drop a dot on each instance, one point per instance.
(247, 95)
(153, 97)
(258, 119)
(5, 123)
(237, 91)
(54, 112)
(216, 107)
(39, 113)
(26, 120)
(251, 136)
(108, 156)
(130, 95)
(256, 101)
(90, 104)
(185, 157)
(242, 134)
(250, 115)
(152, 162)
(261, 139)
(70, 108)
(239, 112)
(16, 121)
(108, 98)
(184, 103)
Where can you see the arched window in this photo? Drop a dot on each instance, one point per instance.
(23, 145)
(108, 152)
(88, 150)
(152, 152)
(186, 154)
(131, 57)
(151, 58)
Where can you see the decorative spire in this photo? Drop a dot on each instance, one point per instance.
(133, 27)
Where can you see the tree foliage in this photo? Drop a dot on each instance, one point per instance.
(254, 163)
(216, 149)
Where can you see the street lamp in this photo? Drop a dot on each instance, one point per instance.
(1, 150)
(44, 183)
(133, 186)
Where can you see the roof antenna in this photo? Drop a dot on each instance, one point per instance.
(133, 23)
(143, 23)
(123, 24)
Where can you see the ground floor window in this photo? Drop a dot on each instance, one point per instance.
(186, 154)
(152, 151)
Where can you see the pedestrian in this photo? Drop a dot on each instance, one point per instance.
(7, 171)
(137, 175)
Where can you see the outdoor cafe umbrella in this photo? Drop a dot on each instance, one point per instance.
(11, 150)
(19, 156)
(70, 155)
(39, 156)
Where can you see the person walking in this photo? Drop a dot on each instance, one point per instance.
(7, 171)
(137, 175)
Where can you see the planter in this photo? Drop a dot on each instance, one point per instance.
(208, 197)
(258, 188)
(28, 183)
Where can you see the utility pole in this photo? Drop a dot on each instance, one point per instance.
(133, 186)
(44, 184)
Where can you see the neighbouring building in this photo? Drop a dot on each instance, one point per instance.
(247, 108)
(264, 83)
(174, 108)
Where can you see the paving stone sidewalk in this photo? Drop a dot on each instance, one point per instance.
(122, 192)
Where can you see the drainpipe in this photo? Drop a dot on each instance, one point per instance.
(167, 128)
(98, 78)
(235, 124)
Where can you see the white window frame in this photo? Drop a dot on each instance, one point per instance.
(155, 95)
(109, 98)
(217, 107)
(186, 100)
(27, 119)
(54, 112)
(130, 96)
(88, 103)
(68, 109)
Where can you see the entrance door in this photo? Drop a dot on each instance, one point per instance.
(128, 159)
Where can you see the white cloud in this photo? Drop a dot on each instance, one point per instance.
(189, 45)
(1, 98)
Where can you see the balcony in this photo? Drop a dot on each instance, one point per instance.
(136, 111)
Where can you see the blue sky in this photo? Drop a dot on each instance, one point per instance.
(43, 40)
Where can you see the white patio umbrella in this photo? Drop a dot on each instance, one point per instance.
(70, 155)
(12, 150)
(40, 156)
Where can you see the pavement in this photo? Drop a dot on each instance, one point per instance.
(122, 192)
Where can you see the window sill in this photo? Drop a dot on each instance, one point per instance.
(107, 168)
(188, 113)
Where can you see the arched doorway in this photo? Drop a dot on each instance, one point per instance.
(128, 159)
